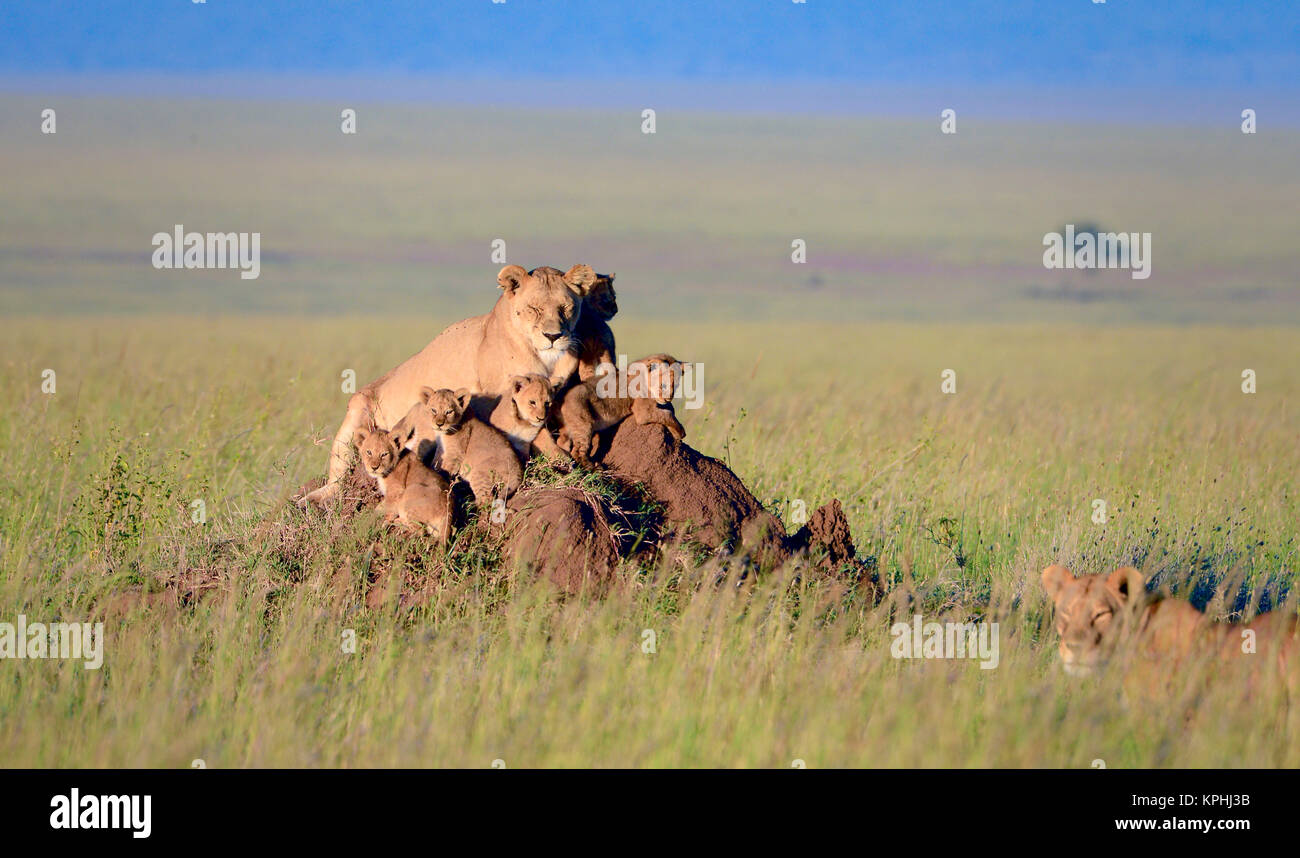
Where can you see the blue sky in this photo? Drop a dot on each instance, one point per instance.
(1124, 60)
(1171, 43)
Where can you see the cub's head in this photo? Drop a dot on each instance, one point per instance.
(531, 395)
(544, 303)
(445, 408)
(601, 299)
(378, 450)
(1092, 612)
(655, 377)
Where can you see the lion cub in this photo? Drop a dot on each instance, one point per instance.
(414, 495)
(593, 340)
(595, 405)
(522, 413)
(464, 445)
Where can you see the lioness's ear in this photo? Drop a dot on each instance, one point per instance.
(1125, 582)
(463, 397)
(426, 393)
(580, 278)
(1054, 578)
(510, 278)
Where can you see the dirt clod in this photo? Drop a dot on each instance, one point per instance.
(703, 500)
(563, 534)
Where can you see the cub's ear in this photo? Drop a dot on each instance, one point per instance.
(463, 397)
(510, 278)
(360, 435)
(426, 393)
(402, 432)
(580, 278)
(1054, 578)
(517, 383)
(1125, 582)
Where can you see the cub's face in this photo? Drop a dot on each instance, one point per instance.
(378, 450)
(1092, 612)
(532, 398)
(445, 409)
(545, 303)
(655, 377)
(601, 300)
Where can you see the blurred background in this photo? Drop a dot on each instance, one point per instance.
(774, 121)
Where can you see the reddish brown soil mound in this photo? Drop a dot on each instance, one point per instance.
(703, 501)
(828, 529)
(562, 533)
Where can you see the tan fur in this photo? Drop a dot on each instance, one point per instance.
(593, 345)
(592, 407)
(1099, 617)
(466, 446)
(414, 495)
(522, 414)
(531, 329)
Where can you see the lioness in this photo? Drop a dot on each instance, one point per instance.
(594, 339)
(522, 414)
(1097, 616)
(529, 330)
(414, 495)
(466, 446)
(597, 404)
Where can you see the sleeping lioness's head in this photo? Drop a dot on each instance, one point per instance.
(544, 303)
(1092, 613)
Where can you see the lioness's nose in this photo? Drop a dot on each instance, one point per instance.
(553, 337)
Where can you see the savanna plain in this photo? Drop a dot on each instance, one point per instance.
(820, 381)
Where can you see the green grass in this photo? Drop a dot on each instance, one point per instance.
(961, 498)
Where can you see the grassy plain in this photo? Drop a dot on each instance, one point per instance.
(961, 498)
(821, 381)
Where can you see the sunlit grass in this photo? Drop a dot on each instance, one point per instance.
(961, 498)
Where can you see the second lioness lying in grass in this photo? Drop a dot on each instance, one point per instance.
(1101, 618)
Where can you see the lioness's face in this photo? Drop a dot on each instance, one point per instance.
(445, 408)
(378, 452)
(545, 303)
(601, 299)
(1091, 614)
(532, 398)
(655, 377)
